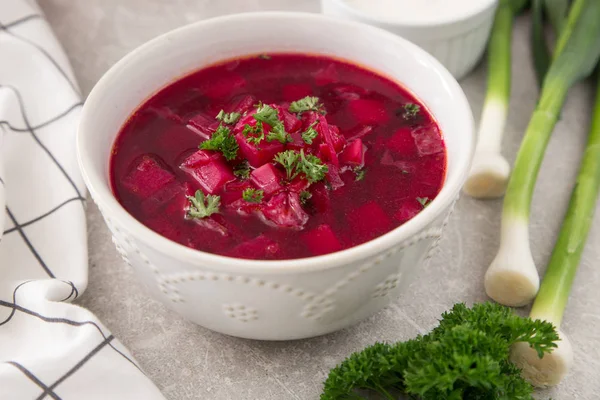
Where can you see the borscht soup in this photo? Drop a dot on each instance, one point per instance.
(278, 156)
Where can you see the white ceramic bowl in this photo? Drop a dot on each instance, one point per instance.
(458, 43)
(272, 299)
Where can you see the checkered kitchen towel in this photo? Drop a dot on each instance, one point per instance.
(49, 349)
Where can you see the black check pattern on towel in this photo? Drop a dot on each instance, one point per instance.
(43, 228)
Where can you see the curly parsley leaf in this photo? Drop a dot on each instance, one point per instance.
(310, 134)
(465, 357)
(409, 111)
(268, 115)
(252, 195)
(254, 134)
(312, 167)
(202, 206)
(360, 173)
(228, 118)
(222, 140)
(289, 160)
(305, 195)
(242, 170)
(309, 103)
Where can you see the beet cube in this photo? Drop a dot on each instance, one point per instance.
(267, 178)
(211, 175)
(233, 191)
(290, 122)
(353, 154)
(321, 240)
(326, 75)
(428, 140)
(296, 91)
(358, 132)
(285, 210)
(320, 198)
(147, 176)
(367, 111)
(369, 220)
(298, 184)
(241, 105)
(403, 143)
(333, 177)
(173, 196)
(202, 124)
(260, 155)
(225, 85)
(260, 247)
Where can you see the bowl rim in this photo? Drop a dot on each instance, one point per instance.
(481, 8)
(102, 193)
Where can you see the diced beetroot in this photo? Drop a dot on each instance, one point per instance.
(212, 225)
(402, 143)
(247, 119)
(347, 91)
(201, 157)
(212, 176)
(339, 141)
(326, 75)
(285, 210)
(320, 198)
(369, 220)
(428, 140)
(368, 111)
(290, 122)
(258, 156)
(323, 129)
(173, 196)
(267, 178)
(147, 176)
(296, 91)
(353, 154)
(298, 184)
(242, 105)
(233, 191)
(308, 118)
(408, 209)
(260, 247)
(333, 177)
(203, 125)
(321, 240)
(297, 141)
(224, 85)
(179, 204)
(324, 152)
(358, 132)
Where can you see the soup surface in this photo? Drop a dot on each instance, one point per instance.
(278, 156)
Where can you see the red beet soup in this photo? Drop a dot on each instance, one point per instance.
(278, 156)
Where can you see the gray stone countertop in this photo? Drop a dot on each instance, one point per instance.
(190, 362)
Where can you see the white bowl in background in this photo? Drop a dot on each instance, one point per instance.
(458, 43)
(287, 299)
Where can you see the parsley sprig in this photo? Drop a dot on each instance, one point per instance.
(295, 162)
(228, 118)
(254, 134)
(465, 357)
(242, 170)
(409, 111)
(202, 206)
(222, 140)
(310, 133)
(309, 103)
(267, 114)
(424, 201)
(252, 195)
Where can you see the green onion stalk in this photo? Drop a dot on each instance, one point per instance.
(551, 300)
(490, 170)
(512, 278)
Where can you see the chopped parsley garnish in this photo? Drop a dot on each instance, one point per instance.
(253, 195)
(305, 195)
(228, 118)
(202, 206)
(254, 134)
(242, 170)
(267, 114)
(312, 167)
(360, 173)
(222, 140)
(264, 56)
(289, 160)
(424, 201)
(409, 111)
(309, 103)
(310, 134)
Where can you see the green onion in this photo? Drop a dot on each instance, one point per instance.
(512, 278)
(490, 170)
(539, 47)
(551, 301)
